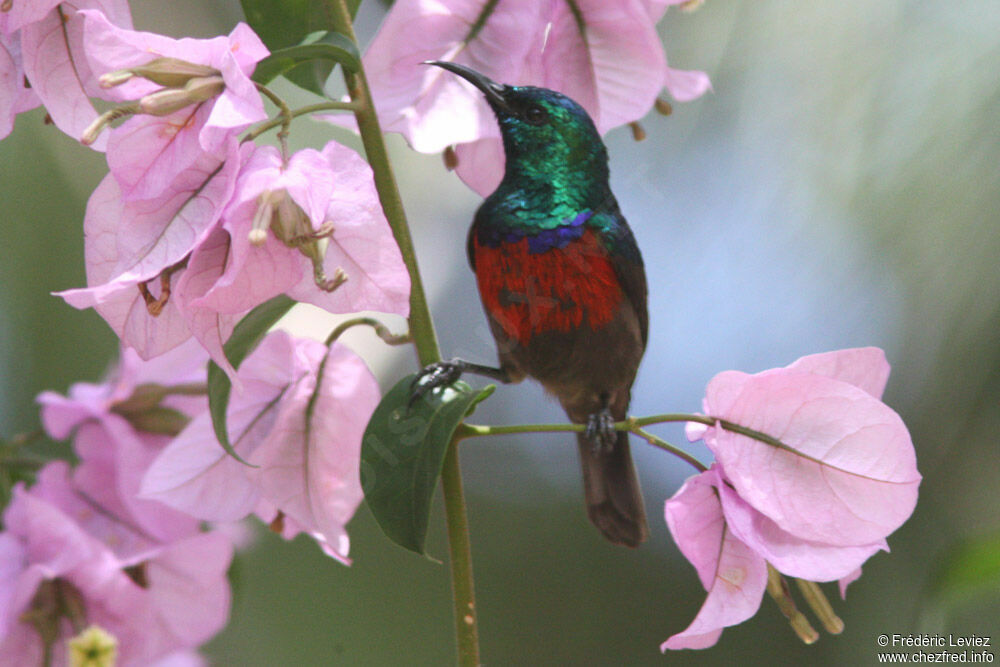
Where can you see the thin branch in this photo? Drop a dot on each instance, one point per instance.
(631, 425)
(301, 111)
(666, 446)
(285, 115)
(424, 338)
(381, 331)
(421, 325)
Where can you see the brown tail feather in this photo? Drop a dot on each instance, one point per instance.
(611, 490)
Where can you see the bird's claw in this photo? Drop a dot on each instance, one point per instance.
(600, 431)
(433, 376)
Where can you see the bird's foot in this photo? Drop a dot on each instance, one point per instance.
(433, 376)
(600, 431)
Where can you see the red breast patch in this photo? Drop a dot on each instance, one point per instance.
(560, 289)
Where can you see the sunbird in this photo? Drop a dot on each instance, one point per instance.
(563, 286)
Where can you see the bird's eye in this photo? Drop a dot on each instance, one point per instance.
(535, 115)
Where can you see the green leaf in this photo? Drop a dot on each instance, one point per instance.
(286, 23)
(308, 65)
(245, 338)
(316, 57)
(282, 23)
(402, 454)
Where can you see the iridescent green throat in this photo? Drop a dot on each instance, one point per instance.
(554, 171)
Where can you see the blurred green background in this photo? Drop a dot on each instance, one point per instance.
(840, 187)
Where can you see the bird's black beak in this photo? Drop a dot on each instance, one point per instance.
(495, 92)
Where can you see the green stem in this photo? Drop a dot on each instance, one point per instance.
(421, 326)
(284, 114)
(666, 446)
(381, 331)
(480, 21)
(674, 417)
(460, 552)
(480, 430)
(301, 111)
(632, 425)
(424, 338)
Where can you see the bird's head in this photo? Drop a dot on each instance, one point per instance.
(537, 124)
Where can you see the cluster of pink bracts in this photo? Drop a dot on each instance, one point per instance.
(816, 507)
(122, 530)
(193, 227)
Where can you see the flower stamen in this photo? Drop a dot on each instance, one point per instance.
(156, 305)
(777, 588)
(450, 158)
(820, 605)
(328, 284)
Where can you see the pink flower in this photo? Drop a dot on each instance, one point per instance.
(732, 573)
(50, 35)
(171, 596)
(80, 547)
(298, 229)
(182, 659)
(131, 378)
(164, 269)
(613, 64)
(817, 505)
(14, 96)
(133, 246)
(789, 553)
(849, 460)
(148, 153)
(117, 429)
(300, 419)
(204, 268)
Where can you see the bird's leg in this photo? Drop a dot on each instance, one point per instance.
(444, 373)
(601, 428)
